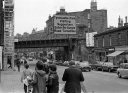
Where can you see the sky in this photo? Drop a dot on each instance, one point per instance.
(31, 14)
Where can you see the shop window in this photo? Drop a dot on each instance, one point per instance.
(96, 42)
(103, 41)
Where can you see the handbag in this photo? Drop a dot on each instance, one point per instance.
(83, 88)
(62, 89)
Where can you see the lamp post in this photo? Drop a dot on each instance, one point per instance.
(88, 37)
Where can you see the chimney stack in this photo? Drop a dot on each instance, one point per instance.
(122, 22)
(119, 22)
(126, 23)
(126, 19)
(62, 10)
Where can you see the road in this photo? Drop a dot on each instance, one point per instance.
(99, 82)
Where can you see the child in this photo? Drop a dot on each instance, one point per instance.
(39, 79)
(53, 80)
(26, 78)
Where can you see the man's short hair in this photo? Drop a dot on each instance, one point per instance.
(71, 63)
(53, 67)
(39, 65)
(26, 66)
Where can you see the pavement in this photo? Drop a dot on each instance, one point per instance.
(11, 81)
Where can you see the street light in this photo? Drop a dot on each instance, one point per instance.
(88, 36)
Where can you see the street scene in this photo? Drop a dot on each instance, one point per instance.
(97, 81)
(62, 46)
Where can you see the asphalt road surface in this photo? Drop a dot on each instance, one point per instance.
(98, 81)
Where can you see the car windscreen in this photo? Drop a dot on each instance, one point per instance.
(84, 64)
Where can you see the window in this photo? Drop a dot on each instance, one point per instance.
(119, 37)
(103, 41)
(96, 42)
(110, 40)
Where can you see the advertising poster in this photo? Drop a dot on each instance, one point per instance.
(64, 24)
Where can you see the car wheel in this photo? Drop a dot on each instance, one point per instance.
(119, 75)
(102, 69)
(109, 70)
(97, 69)
(89, 70)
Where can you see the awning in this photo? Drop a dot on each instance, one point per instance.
(115, 53)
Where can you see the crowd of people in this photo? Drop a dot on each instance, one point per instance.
(46, 80)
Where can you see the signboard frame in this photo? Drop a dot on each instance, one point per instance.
(90, 39)
(65, 24)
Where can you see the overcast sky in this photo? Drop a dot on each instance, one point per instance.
(31, 14)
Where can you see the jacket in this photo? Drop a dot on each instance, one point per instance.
(73, 76)
(53, 83)
(39, 81)
(26, 72)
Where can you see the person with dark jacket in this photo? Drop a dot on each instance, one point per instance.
(53, 80)
(25, 61)
(18, 63)
(74, 79)
(39, 79)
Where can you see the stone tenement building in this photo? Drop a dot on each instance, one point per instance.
(112, 44)
(96, 18)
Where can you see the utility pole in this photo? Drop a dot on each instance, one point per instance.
(88, 37)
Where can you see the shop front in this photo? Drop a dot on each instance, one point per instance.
(100, 54)
(120, 55)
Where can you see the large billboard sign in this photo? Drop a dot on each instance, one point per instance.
(64, 24)
(90, 39)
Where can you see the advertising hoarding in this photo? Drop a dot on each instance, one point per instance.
(64, 24)
(90, 39)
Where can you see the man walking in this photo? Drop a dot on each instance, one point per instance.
(18, 64)
(74, 79)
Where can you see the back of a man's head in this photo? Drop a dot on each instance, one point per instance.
(53, 67)
(39, 65)
(71, 63)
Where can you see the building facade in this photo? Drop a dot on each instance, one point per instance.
(107, 44)
(8, 34)
(88, 20)
(1, 33)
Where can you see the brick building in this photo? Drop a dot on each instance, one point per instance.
(112, 45)
(87, 21)
(98, 18)
(94, 19)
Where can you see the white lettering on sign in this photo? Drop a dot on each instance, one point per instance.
(64, 24)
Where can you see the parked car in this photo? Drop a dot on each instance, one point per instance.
(109, 66)
(60, 63)
(97, 65)
(84, 66)
(122, 71)
(66, 63)
(30, 59)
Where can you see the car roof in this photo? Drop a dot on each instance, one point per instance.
(124, 64)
